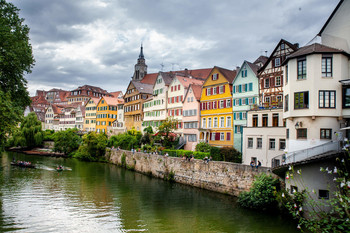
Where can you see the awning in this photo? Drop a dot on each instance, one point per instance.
(345, 128)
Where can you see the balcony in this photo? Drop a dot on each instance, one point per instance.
(272, 105)
(296, 156)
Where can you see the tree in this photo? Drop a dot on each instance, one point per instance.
(166, 130)
(16, 59)
(66, 141)
(29, 134)
(203, 147)
(93, 147)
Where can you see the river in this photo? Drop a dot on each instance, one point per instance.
(98, 197)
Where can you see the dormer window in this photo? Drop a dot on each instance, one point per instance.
(215, 76)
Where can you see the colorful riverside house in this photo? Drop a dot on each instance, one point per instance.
(271, 75)
(191, 117)
(245, 95)
(107, 109)
(176, 93)
(155, 107)
(90, 114)
(216, 108)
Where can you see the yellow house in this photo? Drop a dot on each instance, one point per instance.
(106, 113)
(90, 114)
(216, 108)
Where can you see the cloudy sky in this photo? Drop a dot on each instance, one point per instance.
(97, 42)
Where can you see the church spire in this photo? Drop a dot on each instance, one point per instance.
(141, 52)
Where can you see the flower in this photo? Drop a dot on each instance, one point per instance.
(334, 179)
(321, 169)
(295, 206)
(298, 227)
(300, 209)
(313, 191)
(287, 176)
(342, 184)
(348, 184)
(290, 168)
(282, 194)
(327, 169)
(330, 172)
(299, 171)
(335, 170)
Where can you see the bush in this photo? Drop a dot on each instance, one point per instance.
(215, 153)
(203, 147)
(230, 154)
(262, 193)
(49, 135)
(93, 147)
(66, 141)
(126, 141)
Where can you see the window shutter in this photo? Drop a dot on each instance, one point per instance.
(210, 136)
(223, 88)
(228, 136)
(253, 100)
(240, 102)
(234, 116)
(212, 77)
(240, 88)
(217, 89)
(235, 128)
(178, 87)
(246, 101)
(234, 102)
(206, 92)
(245, 73)
(224, 103)
(250, 86)
(240, 116)
(173, 100)
(172, 88)
(217, 136)
(234, 89)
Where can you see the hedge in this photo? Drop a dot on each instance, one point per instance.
(180, 153)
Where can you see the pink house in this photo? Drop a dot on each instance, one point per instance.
(191, 116)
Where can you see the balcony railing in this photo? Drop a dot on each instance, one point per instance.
(271, 105)
(299, 155)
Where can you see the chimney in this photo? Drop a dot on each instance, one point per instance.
(296, 45)
(186, 72)
(237, 68)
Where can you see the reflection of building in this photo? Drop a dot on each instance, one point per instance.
(271, 75)
(191, 118)
(216, 108)
(264, 137)
(245, 94)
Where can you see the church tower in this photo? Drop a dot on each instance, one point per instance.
(140, 67)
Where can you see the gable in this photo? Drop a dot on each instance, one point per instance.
(215, 78)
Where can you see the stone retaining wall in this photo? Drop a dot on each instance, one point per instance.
(223, 177)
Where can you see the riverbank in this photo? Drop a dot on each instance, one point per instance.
(222, 177)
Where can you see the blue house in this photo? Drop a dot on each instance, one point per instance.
(245, 92)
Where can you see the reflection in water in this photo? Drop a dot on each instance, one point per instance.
(95, 197)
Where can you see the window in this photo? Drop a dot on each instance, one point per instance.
(326, 99)
(192, 137)
(277, 62)
(275, 120)
(327, 66)
(228, 103)
(282, 46)
(221, 104)
(215, 76)
(272, 143)
(346, 97)
(222, 122)
(215, 122)
(228, 119)
(279, 98)
(278, 81)
(301, 133)
(265, 119)
(255, 120)
(301, 68)
(293, 189)
(323, 194)
(212, 137)
(214, 91)
(209, 122)
(250, 142)
(208, 91)
(222, 136)
(287, 133)
(301, 100)
(221, 89)
(267, 99)
(282, 144)
(259, 143)
(238, 129)
(326, 133)
(204, 123)
(267, 83)
(286, 103)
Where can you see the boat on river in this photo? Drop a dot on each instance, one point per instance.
(23, 164)
(59, 169)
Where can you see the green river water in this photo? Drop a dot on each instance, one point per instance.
(97, 197)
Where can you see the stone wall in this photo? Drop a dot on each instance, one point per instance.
(223, 177)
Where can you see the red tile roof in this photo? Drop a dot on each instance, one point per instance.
(230, 75)
(185, 81)
(111, 100)
(197, 91)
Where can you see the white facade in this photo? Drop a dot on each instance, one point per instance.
(176, 95)
(313, 103)
(49, 118)
(264, 137)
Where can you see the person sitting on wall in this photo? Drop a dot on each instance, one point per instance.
(252, 164)
(258, 165)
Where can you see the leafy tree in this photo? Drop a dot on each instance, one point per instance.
(215, 153)
(148, 130)
(127, 141)
(29, 134)
(66, 141)
(166, 130)
(93, 147)
(262, 193)
(203, 147)
(10, 115)
(16, 59)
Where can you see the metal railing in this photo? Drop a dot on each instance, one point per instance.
(299, 155)
(181, 143)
